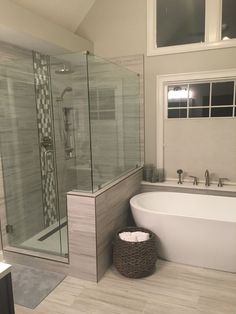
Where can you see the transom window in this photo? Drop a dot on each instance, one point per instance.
(190, 25)
(201, 100)
(179, 22)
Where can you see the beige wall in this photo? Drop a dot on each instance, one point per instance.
(21, 27)
(118, 28)
(196, 145)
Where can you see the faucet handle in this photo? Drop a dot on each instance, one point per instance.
(195, 180)
(220, 181)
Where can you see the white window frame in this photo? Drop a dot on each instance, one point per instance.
(162, 82)
(213, 22)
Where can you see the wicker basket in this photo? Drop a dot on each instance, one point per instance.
(135, 259)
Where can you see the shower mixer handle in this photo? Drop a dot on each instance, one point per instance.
(47, 142)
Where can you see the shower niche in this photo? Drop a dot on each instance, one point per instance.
(58, 135)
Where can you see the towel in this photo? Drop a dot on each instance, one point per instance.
(136, 236)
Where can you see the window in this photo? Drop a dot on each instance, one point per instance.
(185, 96)
(102, 104)
(179, 22)
(201, 100)
(228, 29)
(190, 25)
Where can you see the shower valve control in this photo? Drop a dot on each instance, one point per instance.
(9, 229)
(46, 142)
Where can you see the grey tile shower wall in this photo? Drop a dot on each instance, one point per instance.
(75, 172)
(46, 133)
(9, 52)
(19, 148)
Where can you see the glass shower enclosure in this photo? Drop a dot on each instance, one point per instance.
(68, 122)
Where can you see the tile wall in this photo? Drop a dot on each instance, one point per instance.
(45, 127)
(19, 145)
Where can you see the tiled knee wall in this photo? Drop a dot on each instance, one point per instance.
(93, 222)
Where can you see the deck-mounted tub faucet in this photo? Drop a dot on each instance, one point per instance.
(207, 178)
(221, 181)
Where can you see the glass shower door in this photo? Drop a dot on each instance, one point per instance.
(28, 157)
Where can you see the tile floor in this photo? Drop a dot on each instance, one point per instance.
(173, 289)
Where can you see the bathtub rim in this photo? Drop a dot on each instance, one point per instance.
(138, 207)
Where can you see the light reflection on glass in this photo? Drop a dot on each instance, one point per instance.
(176, 94)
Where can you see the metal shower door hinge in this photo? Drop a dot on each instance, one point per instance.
(9, 228)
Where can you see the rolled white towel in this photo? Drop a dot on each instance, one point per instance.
(136, 236)
(127, 236)
(141, 236)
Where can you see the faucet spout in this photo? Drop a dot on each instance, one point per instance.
(207, 178)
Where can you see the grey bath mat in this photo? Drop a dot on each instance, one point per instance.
(31, 285)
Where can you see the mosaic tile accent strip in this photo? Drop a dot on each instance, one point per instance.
(46, 137)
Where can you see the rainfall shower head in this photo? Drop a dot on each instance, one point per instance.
(66, 90)
(64, 70)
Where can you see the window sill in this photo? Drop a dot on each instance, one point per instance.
(154, 51)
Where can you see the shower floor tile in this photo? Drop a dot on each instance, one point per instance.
(52, 243)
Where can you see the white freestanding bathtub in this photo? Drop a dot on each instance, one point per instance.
(192, 229)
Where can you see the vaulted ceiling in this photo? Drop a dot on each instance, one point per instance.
(66, 13)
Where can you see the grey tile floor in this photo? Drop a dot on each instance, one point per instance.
(173, 289)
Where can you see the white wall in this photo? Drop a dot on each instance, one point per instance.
(196, 145)
(118, 28)
(21, 27)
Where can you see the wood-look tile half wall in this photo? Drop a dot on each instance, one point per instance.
(112, 212)
(93, 222)
(82, 236)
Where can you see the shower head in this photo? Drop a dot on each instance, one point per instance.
(64, 70)
(66, 90)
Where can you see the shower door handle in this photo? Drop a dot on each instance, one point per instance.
(48, 159)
